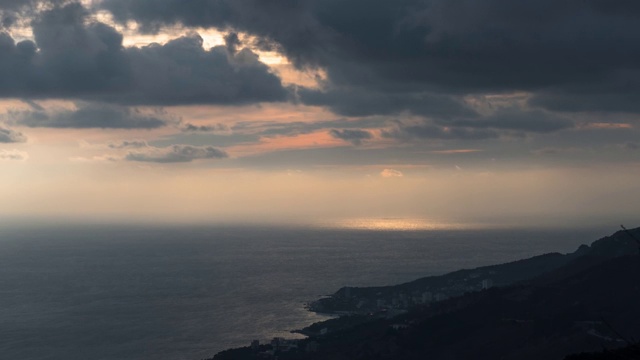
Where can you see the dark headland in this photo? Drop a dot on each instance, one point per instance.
(577, 306)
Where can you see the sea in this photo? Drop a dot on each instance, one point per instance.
(170, 292)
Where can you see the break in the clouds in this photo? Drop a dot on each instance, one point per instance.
(90, 115)
(391, 173)
(175, 154)
(11, 136)
(76, 57)
(571, 55)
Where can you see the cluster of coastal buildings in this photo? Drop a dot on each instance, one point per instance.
(279, 346)
(352, 301)
(385, 306)
(405, 301)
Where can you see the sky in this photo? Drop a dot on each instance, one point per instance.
(453, 111)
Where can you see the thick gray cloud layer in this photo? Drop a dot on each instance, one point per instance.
(431, 131)
(75, 57)
(354, 136)
(502, 122)
(205, 128)
(562, 51)
(363, 102)
(89, 116)
(517, 120)
(128, 144)
(426, 62)
(12, 10)
(176, 154)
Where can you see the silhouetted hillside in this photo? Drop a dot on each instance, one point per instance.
(436, 288)
(586, 303)
(628, 352)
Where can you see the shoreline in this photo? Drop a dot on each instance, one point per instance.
(396, 309)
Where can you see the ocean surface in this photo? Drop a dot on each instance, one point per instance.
(177, 292)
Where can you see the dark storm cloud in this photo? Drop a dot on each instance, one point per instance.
(128, 144)
(74, 57)
(176, 154)
(182, 72)
(599, 100)
(203, 138)
(11, 136)
(510, 121)
(78, 58)
(12, 10)
(432, 131)
(14, 4)
(232, 41)
(360, 102)
(455, 46)
(273, 21)
(89, 116)
(354, 136)
(205, 128)
(631, 146)
(517, 120)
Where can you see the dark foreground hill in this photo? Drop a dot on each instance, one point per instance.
(369, 299)
(588, 302)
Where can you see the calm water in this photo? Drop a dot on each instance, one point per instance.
(126, 292)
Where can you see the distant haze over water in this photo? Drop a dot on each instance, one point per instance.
(187, 292)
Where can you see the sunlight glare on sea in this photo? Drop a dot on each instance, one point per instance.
(396, 224)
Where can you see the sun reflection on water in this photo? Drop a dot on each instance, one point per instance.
(395, 224)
